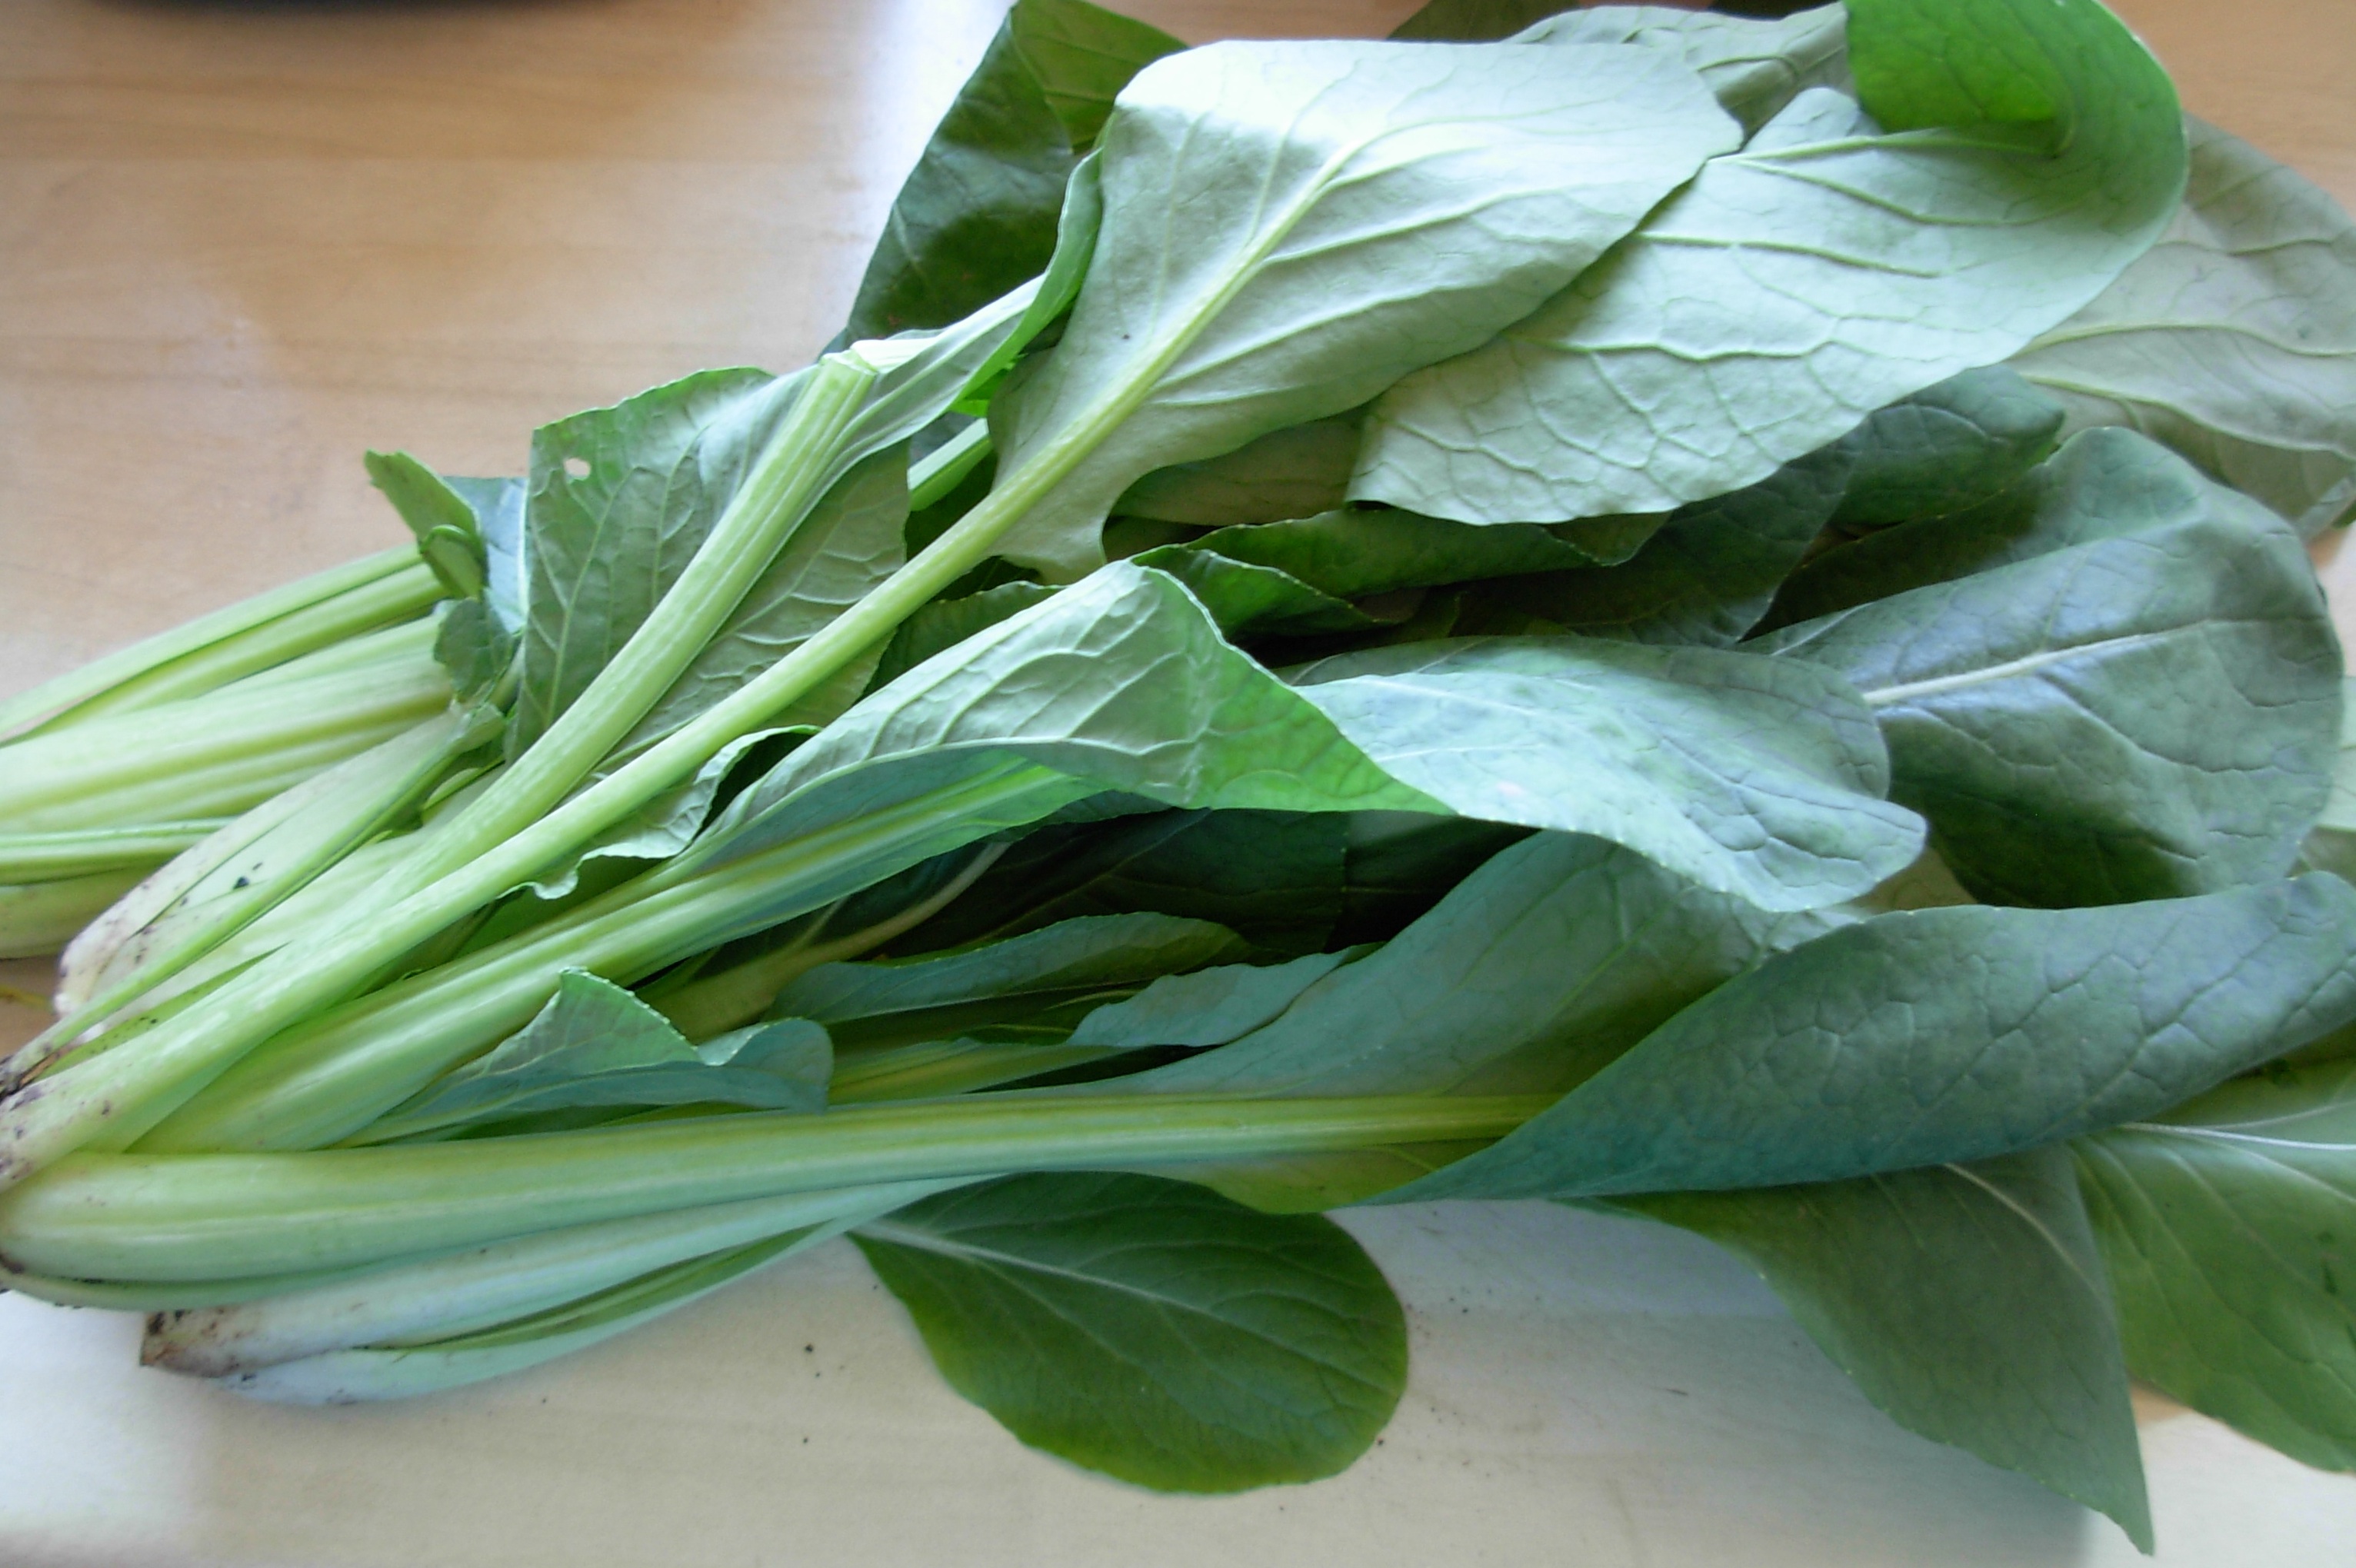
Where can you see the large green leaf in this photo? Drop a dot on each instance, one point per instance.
(1755, 66)
(1966, 1300)
(1296, 472)
(1361, 209)
(1149, 1328)
(597, 1048)
(2229, 1226)
(978, 213)
(620, 499)
(2135, 717)
(2102, 483)
(1532, 975)
(1122, 683)
(1947, 447)
(2009, 159)
(1941, 1035)
(2232, 339)
(1710, 573)
(1709, 761)
(1275, 876)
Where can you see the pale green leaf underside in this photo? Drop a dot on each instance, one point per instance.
(2232, 339)
(1795, 287)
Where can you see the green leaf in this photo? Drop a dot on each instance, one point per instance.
(1754, 67)
(2331, 842)
(1296, 472)
(2027, 151)
(2137, 717)
(1947, 447)
(1966, 1300)
(1296, 576)
(944, 622)
(2101, 484)
(933, 997)
(978, 214)
(1210, 1007)
(620, 499)
(1150, 1329)
(2229, 1227)
(1941, 1035)
(850, 543)
(1191, 339)
(1276, 878)
(1709, 575)
(1532, 975)
(596, 1047)
(1709, 761)
(2232, 339)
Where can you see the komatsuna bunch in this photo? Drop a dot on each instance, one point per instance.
(1663, 611)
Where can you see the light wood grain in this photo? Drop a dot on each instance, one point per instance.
(240, 243)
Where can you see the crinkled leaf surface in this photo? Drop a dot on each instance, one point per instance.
(1710, 573)
(1966, 1300)
(2102, 483)
(2136, 717)
(1531, 975)
(1941, 1035)
(978, 214)
(1949, 446)
(1708, 761)
(2229, 1227)
(2010, 158)
(1149, 1328)
(1292, 227)
(1754, 65)
(2232, 339)
(596, 1045)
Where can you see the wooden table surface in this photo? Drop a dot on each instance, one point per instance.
(240, 243)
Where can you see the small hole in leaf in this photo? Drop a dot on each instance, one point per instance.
(577, 467)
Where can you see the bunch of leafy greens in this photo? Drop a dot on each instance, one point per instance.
(1660, 610)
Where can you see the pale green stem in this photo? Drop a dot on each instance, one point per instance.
(330, 1078)
(38, 918)
(196, 1216)
(111, 1099)
(460, 1292)
(41, 856)
(226, 642)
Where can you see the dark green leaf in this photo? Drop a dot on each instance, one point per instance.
(2229, 1225)
(1296, 472)
(1941, 1035)
(1966, 1300)
(1947, 447)
(978, 214)
(1473, 21)
(1710, 573)
(1149, 1328)
(1705, 760)
(2133, 718)
(2102, 483)
(944, 622)
(1274, 877)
